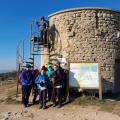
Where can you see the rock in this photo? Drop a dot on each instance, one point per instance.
(7, 118)
(9, 113)
(64, 114)
(26, 111)
(71, 34)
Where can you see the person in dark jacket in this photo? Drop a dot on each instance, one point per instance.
(65, 83)
(42, 84)
(26, 79)
(57, 86)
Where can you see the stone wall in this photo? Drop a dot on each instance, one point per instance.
(87, 35)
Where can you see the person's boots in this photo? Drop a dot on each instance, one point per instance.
(41, 106)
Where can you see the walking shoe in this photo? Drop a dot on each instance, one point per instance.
(59, 106)
(54, 105)
(25, 106)
(44, 107)
(34, 102)
(41, 107)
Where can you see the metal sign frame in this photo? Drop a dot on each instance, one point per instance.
(99, 77)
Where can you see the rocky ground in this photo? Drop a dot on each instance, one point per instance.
(15, 111)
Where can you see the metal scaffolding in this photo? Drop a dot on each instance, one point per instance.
(30, 47)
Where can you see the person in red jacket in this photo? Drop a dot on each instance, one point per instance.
(35, 74)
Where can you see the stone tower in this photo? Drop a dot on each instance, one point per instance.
(88, 35)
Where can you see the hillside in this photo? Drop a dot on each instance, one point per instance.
(87, 109)
(9, 76)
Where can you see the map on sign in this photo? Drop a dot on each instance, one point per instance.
(84, 75)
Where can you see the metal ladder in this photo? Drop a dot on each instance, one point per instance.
(36, 47)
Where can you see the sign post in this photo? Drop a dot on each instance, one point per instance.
(100, 84)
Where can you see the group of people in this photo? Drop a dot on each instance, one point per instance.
(49, 84)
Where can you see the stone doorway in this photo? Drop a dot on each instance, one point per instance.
(117, 76)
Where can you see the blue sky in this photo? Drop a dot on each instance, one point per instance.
(16, 15)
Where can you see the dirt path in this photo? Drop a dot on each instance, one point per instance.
(68, 112)
(17, 112)
(5, 90)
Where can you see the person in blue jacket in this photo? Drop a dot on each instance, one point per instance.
(26, 80)
(42, 84)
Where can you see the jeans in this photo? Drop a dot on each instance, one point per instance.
(35, 95)
(43, 36)
(42, 97)
(58, 94)
(49, 92)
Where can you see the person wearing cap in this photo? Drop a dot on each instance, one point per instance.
(43, 25)
(36, 73)
(42, 84)
(57, 86)
(44, 68)
(27, 80)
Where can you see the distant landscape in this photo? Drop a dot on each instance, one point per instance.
(7, 77)
(5, 71)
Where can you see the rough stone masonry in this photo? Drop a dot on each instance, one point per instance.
(88, 35)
